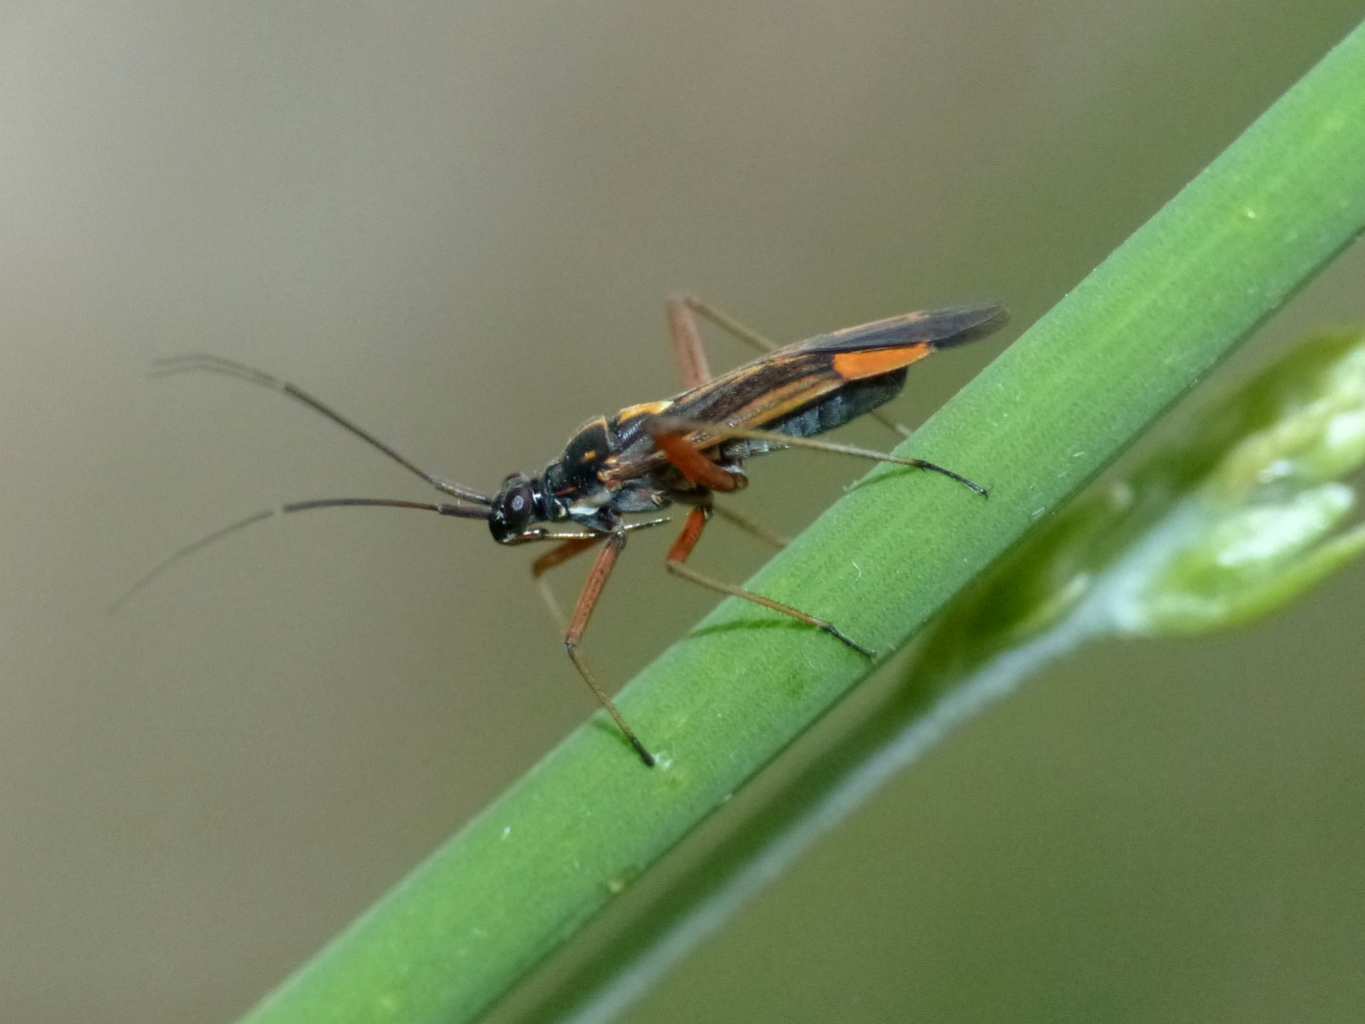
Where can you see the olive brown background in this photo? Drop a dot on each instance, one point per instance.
(458, 223)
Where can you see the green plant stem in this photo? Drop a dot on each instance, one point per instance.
(923, 712)
(1036, 425)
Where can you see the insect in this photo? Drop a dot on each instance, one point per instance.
(683, 450)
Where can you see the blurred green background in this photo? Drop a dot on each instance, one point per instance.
(459, 224)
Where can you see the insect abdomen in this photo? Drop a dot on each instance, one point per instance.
(848, 403)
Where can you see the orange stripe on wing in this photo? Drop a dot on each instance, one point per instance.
(631, 412)
(875, 362)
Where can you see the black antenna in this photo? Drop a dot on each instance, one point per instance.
(462, 511)
(194, 361)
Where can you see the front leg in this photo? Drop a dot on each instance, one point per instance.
(587, 601)
(558, 555)
(571, 545)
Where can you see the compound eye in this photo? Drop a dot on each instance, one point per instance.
(519, 505)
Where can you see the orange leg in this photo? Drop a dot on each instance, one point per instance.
(562, 554)
(587, 601)
(687, 345)
(669, 433)
(700, 470)
(750, 527)
(725, 322)
(693, 463)
(570, 546)
(558, 556)
(682, 548)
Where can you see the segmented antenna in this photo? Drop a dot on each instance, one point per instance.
(199, 361)
(462, 511)
(196, 361)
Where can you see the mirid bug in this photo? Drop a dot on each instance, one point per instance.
(683, 450)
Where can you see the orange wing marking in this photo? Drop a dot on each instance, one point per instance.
(875, 362)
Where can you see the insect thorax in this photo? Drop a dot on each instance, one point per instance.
(574, 480)
(575, 472)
